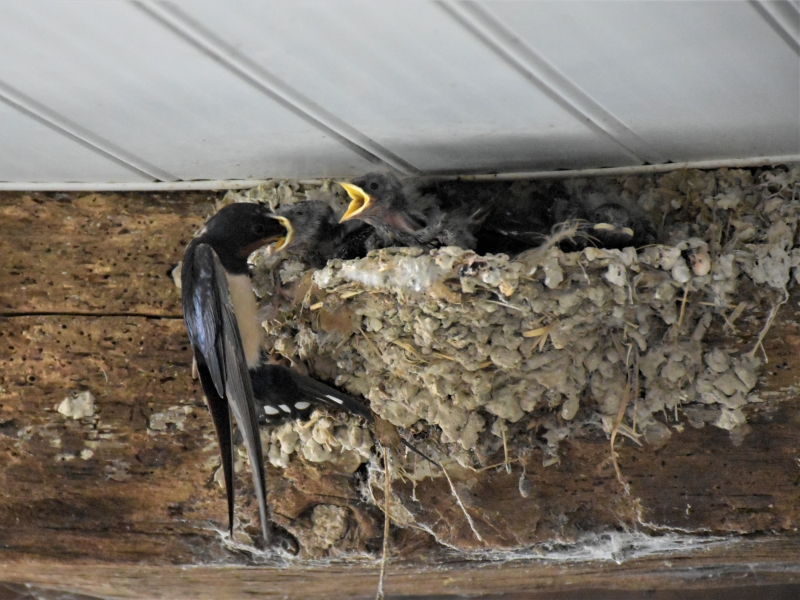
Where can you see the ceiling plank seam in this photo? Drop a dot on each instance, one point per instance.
(783, 18)
(545, 77)
(182, 25)
(66, 128)
(239, 184)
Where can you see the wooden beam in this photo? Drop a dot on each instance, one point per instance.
(107, 503)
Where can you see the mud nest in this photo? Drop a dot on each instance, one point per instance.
(478, 356)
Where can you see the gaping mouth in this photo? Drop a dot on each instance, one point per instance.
(359, 201)
(609, 227)
(285, 240)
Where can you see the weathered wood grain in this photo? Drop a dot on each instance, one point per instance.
(133, 485)
(759, 568)
(95, 253)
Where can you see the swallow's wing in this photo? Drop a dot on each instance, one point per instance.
(215, 337)
(221, 416)
(283, 393)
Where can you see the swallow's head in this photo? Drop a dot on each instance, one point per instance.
(373, 197)
(239, 229)
(302, 223)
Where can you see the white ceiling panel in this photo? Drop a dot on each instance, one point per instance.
(695, 79)
(33, 151)
(121, 91)
(112, 69)
(409, 76)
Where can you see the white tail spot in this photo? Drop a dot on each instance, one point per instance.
(335, 399)
(284, 408)
(270, 410)
(302, 405)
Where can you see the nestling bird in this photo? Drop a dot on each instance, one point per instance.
(519, 212)
(612, 226)
(609, 225)
(403, 216)
(315, 234)
(606, 219)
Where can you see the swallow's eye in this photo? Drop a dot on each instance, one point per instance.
(259, 229)
(374, 186)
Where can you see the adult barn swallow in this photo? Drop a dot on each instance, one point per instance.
(314, 233)
(403, 215)
(220, 312)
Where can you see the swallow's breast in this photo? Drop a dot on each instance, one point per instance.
(246, 310)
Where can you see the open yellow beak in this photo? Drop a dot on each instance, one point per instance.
(609, 227)
(359, 201)
(284, 241)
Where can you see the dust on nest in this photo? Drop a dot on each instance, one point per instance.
(470, 354)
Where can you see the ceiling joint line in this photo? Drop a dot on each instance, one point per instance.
(64, 127)
(502, 41)
(235, 184)
(783, 18)
(255, 75)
